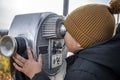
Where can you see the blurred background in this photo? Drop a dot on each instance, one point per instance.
(10, 8)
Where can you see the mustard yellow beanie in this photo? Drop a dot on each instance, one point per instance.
(92, 23)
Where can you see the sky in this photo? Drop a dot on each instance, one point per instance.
(10, 8)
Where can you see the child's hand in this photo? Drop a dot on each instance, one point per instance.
(28, 66)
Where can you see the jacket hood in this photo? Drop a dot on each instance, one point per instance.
(105, 53)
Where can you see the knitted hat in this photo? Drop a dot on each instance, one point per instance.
(92, 23)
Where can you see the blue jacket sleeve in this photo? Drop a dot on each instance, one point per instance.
(40, 76)
(80, 75)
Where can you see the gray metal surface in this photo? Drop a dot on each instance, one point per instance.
(43, 33)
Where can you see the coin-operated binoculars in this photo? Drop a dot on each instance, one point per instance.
(43, 33)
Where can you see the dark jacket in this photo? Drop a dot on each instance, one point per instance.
(100, 61)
